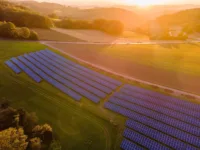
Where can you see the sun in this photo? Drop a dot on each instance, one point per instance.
(141, 3)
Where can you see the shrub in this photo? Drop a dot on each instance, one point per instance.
(33, 35)
(24, 33)
(9, 30)
(6, 29)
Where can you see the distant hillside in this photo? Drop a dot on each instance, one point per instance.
(182, 18)
(154, 11)
(22, 16)
(129, 18)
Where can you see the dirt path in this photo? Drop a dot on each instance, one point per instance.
(172, 80)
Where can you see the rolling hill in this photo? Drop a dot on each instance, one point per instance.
(189, 16)
(129, 18)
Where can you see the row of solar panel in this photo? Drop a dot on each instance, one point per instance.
(152, 114)
(17, 66)
(128, 145)
(162, 137)
(163, 97)
(127, 100)
(159, 125)
(88, 75)
(144, 141)
(72, 73)
(158, 102)
(62, 80)
(117, 83)
(13, 67)
(29, 62)
(70, 81)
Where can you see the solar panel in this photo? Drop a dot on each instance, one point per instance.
(70, 78)
(144, 141)
(160, 103)
(30, 61)
(30, 73)
(159, 136)
(150, 113)
(174, 100)
(146, 120)
(76, 74)
(168, 130)
(128, 145)
(86, 74)
(118, 83)
(163, 110)
(13, 67)
(69, 84)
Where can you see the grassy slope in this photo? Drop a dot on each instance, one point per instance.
(51, 35)
(184, 58)
(76, 124)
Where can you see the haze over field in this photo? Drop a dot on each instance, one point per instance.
(132, 2)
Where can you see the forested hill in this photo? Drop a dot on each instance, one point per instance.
(128, 18)
(22, 16)
(190, 16)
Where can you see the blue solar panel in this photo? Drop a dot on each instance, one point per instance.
(86, 74)
(69, 84)
(159, 136)
(146, 120)
(30, 61)
(153, 114)
(187, 138)
(13, 67)
(128, 145)
(75, 74)
(163, 110)
(70, 78)
(29, 72)
(144, 141)
(160, 103)
(118, 83)
(174, 100)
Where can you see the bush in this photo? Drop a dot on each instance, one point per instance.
(9, 30)
(33, 35)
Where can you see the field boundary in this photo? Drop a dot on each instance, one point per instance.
(175, 91)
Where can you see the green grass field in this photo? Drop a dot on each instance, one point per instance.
(183, 58)
(79, 125)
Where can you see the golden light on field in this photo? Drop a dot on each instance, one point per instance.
(142, 3)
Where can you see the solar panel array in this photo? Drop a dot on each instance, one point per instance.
(69, 77)
(156, 121)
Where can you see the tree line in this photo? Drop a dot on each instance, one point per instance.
(19, 130)
(9, 30)
(22, 16)
(113, 27)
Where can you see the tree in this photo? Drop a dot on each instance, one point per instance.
(24, 32)
(33, 35)
(6, 29)
(35, 144)
(44, 132)
(27, 120)
(13, 139)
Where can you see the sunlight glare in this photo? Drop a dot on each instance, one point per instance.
(142, 3)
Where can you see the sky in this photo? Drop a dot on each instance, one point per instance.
(126, 2)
